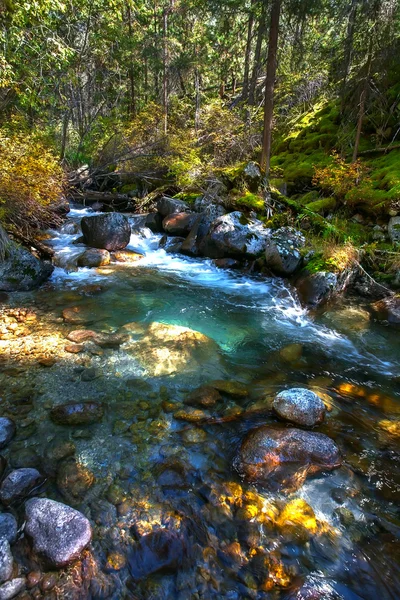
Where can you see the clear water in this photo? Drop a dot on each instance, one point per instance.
(154, 471)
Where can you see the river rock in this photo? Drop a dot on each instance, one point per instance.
(164, 349)
(8, 527)
(12, 588)
(282, 254)
(235, 235)
(20, 271)
(81, 335)
(94, 257)
(160, 550)
(230, 387)
(58, 532)
(126, 256)
(204, 396)
(394, 230)
(317, 288)
(74, 480)
(388, 310)
(299, 406)
(77, 413)
(154, 222)
(179, 223)
(7, 431)
(283, 458)
(192, 244)
(168, 206)
(110, 231)
(18, 484)
(3, 465)
(6, 560)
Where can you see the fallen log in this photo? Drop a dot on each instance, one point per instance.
(43, 250)
(113, 200)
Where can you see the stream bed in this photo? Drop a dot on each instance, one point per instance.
(148, 467)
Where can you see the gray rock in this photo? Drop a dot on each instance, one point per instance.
(282, 253)
(154, 222)
(300, 406)
(252, 176)
(7, 431)
(6, 561)
(58, 532)
(8, 527)
(388, 310)
(235, 235)
(168, 206)
(18, 484)
(316, 288)
(284, 458)
(110, 231)
(20, 271)
(394, 230)
(94, 257)
(12, 588)
(179, 223)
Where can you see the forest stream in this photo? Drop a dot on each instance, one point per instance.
(172, 513)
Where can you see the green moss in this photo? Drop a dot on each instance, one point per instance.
(322, 205)
(189, 197)
(250, 201)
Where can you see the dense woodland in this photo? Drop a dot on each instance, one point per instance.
(157, 96)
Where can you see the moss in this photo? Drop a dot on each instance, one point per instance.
(249, 201)
(322, 205)
(189, 197)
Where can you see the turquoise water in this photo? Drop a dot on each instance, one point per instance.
(154, 471)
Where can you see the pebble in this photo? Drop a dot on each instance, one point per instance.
(8, 527)
(6, 561)
(18, 484)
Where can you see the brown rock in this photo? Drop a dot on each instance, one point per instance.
(203, 396)
(81, 335)
(77, 413)
(74, 348)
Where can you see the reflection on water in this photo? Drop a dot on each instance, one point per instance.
(142, 470)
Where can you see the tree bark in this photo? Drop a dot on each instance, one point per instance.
(348, 50)
(246, 72)
(270, 85)
(363, 98)
(131, 71)
(165, 68)
(257, 54)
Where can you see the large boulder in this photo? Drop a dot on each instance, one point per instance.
(299, 406)
(282, 253)
(168, 206)
(252, 176)
(110, 231)
(58, 532)
(283, 458)
(179, 223)
(235, 235)
(7, 431)
(394, 230)
(192, 244)
(388, 310)
(154, 222)
(20, 271)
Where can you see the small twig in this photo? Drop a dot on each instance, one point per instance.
(391, 292)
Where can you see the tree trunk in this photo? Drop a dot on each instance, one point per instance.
(348, 51)
(64, 134)
(197, 91)
(165, 68)
(363, 98)
(270, 85)
(131, 71)
(257, 54)
(246, 72)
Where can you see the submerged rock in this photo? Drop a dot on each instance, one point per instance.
(299, 406)
(160, 550)
(7, 431)
(283, 458)
(230, 387)
(18, 484)
(110, 231)
(58, 532)
(94, 257)
(74, 480)
(235, 235)
(203, 396)
(282, 254)
(126, 256)
(79, 413)
(164, 349)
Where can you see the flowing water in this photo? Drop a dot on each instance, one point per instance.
(142, 470)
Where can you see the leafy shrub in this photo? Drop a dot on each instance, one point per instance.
(340, 177)
(30, 181)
